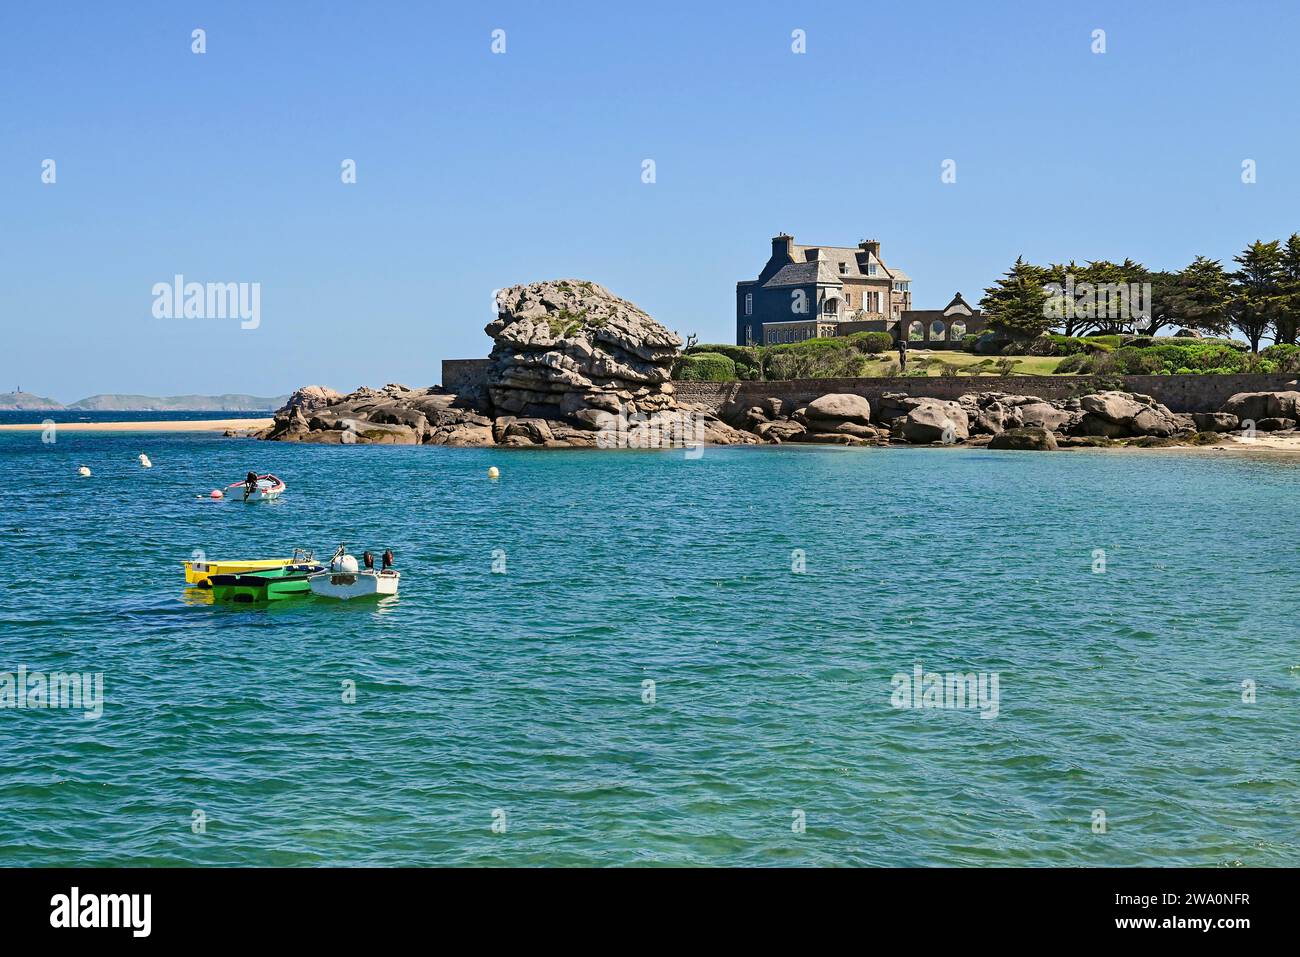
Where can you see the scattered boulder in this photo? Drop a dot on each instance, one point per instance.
(782, 431)
(1215, 421)
(894, 405)
(1033, 439)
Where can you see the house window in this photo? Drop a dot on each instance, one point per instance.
(871, 269)
(844, 269)
(749, 303)
(848, 298)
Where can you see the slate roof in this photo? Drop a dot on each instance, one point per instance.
(805, 274)
(834, 255)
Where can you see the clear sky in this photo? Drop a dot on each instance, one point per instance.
(478, 170)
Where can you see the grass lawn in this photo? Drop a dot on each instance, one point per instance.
(932, 361)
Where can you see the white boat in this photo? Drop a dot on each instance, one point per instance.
(345, 580)
(267, 487)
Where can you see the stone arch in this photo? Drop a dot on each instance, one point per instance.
(937, 330)
(957, 330)
(916, 331)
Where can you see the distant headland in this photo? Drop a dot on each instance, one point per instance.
(231, 402)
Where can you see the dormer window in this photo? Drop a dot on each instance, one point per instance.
(871, 269)
(844, 269)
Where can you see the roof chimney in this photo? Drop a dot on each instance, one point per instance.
(783, 247)
(871, 247)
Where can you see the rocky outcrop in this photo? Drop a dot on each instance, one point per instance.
(572, 365)
(564, 346)
(994, 412)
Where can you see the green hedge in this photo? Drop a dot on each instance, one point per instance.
(1285, 358)
(1180, 356)
(705, 367)
(827, 358)
(1056, 345)
(872, 343)
(748, 359)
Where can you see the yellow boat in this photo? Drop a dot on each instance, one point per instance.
(199, 573)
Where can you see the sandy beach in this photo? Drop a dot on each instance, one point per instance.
(192, 425)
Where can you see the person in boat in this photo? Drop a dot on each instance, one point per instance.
(250, 483)
(368, 560)
(387, 559)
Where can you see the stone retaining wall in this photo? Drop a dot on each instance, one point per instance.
(1181, 393)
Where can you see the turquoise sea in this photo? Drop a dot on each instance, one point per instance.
(768, 736)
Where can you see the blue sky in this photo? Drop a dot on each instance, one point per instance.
(476, 171)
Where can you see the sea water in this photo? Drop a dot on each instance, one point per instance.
(631, 657)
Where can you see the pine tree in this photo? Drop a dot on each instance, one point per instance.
(1016, 303)
(1288, 320)
(1257, 290)
(1199, 297)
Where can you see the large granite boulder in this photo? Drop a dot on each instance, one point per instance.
(1115, 415)
(1041, 415)
(1025, 440)
(894, 405)
(1263, 405)
(994, 412)
(309, 398)
(935, 420)
(837, 408)
(1215, 421)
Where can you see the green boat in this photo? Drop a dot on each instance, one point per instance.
(270, 584)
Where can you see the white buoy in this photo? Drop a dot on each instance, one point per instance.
(144, 461)
(83, 472)
(345, 564)
(493, 472)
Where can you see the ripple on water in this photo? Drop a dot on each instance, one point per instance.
(650, 682)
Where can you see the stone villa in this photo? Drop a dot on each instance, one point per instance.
(807, 292)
